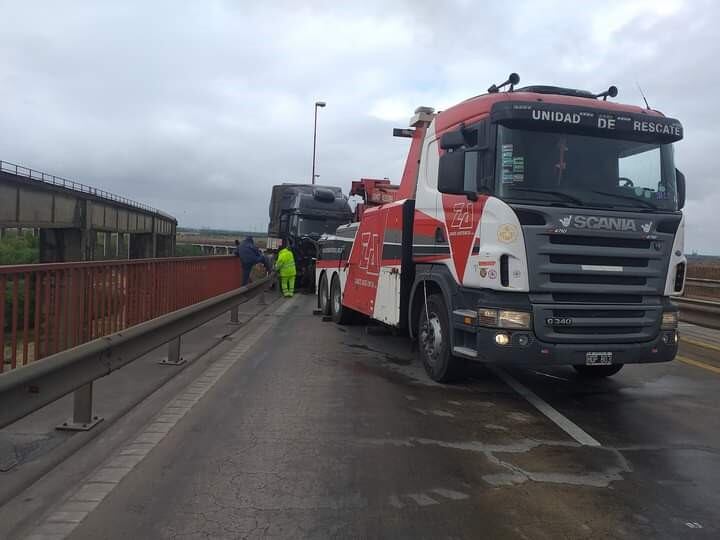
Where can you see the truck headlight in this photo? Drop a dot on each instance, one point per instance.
(514, 319)
(502, 318)
(487, 317)
(669, 320)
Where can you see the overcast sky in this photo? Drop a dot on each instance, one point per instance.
(197, 108)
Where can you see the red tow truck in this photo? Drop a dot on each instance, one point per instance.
(533, 226)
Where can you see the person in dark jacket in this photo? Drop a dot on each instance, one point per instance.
(249, 255)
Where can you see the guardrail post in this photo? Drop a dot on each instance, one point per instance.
(173, 357)
(235, 315)
(83, 418)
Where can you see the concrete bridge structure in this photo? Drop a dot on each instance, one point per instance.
(77, 222)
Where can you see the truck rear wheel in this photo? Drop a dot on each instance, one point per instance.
(340, 314)
(598, 371)
(324, 295)
(434, 342)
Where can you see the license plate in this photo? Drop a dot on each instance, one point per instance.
(598, 358)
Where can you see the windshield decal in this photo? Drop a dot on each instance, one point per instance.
(513, 167)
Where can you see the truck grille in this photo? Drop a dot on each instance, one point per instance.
(593, 279)
(607, 284)
(599, 241)
(596, 323)
(591, 298)
(586, 259)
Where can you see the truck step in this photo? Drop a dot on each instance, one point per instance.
(465, 352)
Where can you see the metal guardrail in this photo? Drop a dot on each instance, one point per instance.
(701, 312)
(19, 170)
(712, 285)
(703, 281)
(26, 390)
(47, 308)
(701, 303)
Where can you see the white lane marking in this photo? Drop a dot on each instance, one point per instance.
(63, 520)
(421, 499)
(451, 494)
(551, 376)
(561, 421)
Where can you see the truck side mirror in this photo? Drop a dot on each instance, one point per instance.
(458, 173)
(284, 219)
(680, 179)
(452, 140)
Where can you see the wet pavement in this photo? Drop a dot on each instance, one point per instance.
(321, 431)
(32, 445)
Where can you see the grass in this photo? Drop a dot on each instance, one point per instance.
(19, 250)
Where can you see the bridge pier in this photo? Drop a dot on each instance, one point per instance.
(64, 245)
(165, 246)
(123, 246)
(143, 246)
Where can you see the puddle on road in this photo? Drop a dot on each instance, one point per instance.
(552, 462)
(506, 445)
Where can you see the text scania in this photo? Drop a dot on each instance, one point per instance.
(556, 116)
(606, 223)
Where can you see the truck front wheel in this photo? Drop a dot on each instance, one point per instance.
(597, 371)
(434, 342)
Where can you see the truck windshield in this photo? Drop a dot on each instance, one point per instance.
(310, 226)
(556, 168)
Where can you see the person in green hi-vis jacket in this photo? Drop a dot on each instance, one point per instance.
(285, 267)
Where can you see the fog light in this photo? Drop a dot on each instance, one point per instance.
(670, 338)
(502, 339)
(523, 340)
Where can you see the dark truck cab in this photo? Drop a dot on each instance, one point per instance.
(301, 214)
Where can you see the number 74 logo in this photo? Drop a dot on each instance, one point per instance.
(370, 254)
(462, 216)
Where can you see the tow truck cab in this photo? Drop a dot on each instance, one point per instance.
(537, 226)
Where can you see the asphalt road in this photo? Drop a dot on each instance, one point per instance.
(318, 431)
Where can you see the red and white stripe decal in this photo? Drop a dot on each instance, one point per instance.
(462, 217)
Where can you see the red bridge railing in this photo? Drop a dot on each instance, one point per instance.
(47, 308)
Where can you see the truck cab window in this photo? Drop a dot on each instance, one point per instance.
(641, 170)
(554, 167)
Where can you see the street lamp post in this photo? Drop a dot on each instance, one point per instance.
(317, 104)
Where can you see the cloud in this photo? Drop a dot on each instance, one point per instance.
(200, 108)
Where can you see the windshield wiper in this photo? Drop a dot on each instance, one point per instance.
(643, 202)
(559, 194)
